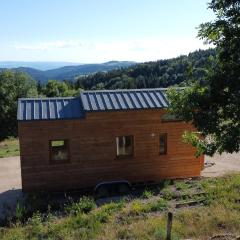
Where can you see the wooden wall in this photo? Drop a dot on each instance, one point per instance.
(93, 150)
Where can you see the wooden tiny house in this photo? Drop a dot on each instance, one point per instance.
(72, 143)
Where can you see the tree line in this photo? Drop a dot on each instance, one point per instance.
(162, 73)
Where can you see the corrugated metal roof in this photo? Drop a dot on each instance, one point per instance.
(49, 108)
(89, 101)
(130, 99)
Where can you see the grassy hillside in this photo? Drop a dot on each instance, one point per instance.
(202, 208)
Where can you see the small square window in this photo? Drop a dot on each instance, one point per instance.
(59, 151)
(124, 146)
(162, 143)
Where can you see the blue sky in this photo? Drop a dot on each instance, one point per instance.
(88, 31)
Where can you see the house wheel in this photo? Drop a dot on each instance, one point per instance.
(102, 191)
(111, 189)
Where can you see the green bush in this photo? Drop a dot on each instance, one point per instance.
(84, 205)
(139, 207)
(167, 194)
(36, 226)
(159, 205)
(182, 186)
(112, 207)
(167, 183)
(147, 194)
(82, 226)
(20, 212)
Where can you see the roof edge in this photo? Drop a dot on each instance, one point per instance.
(46, 98)
(131, 89)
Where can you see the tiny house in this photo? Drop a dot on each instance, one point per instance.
(108, 135)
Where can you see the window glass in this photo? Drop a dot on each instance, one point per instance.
(124, 145)
(57, 143)
(168, 117)
(163, 143)
(59, 150)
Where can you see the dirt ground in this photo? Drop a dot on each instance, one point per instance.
(219, 165)
(10, 183)
(10, 176)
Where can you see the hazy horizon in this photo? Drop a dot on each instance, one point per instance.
(44, 65)
(48, 65)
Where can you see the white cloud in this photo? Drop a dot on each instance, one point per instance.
(49, 45)
(89, 51)
(143, 49)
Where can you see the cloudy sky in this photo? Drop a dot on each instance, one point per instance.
(90, 31)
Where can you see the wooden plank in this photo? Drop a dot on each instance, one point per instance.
(93, 150)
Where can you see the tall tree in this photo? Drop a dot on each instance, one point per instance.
(13, 85)
(213, 105)
(56, 88)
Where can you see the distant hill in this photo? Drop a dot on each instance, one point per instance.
(125, 74)
(71, 72)
(162, 73)
(37, 65)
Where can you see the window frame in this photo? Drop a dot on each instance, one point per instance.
(133, 147)
(170, 120)
(55, 162)
(166, 143)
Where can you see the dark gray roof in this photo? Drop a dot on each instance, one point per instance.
(89, 101)
(123, 99)
(49, 108)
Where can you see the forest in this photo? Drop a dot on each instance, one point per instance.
(162, 73)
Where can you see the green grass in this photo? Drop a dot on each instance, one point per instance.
(140, 218)
(84, 205)
(147, 194)
(9, 148)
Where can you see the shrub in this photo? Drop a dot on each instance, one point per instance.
(82, 226)
(167, 194)
(158, 205)
(20, 212)
(84, 205)
(182, 186)
(102, 216)
(35, 225)
(147, 194)
(113, 206)
(167, 182)
(136, 208)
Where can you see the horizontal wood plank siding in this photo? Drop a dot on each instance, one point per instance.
(93, 150)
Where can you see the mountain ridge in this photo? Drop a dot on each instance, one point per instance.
(39, 65)
(71, 71)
